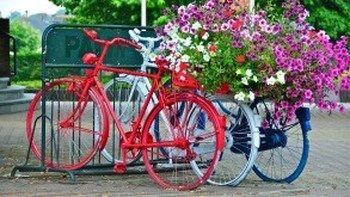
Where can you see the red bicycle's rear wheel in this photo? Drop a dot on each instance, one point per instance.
(67, 145)
(191, 123)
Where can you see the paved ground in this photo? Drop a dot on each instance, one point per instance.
(327, 172)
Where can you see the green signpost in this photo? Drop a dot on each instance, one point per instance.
(64, 45)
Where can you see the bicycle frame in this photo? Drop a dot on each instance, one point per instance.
(91, 81)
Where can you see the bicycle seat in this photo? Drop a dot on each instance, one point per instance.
(89, 58)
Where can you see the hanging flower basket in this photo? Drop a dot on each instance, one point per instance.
(249, 56)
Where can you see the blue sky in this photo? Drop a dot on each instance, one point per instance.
(33, 7)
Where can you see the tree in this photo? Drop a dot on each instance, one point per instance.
(329, 15)
(28, 51)
(121, 12)
(28, 38)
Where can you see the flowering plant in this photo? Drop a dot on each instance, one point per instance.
(286, 61)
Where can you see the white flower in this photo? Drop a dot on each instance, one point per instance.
(171, 58)
(168, 28)
(304, 15)
(206, 57)
(171, 45)
(206, 27)
(185, 29)
(179, 48)
(255, 78)
(248, 73)
(185, 58)
(215, 28)
(251, 96)
(200, 48)
(244, 81)
(177, 67)
(238, 72)
(187, 42)
(240, 96)
(262, 23)
(224, 27)
(181, 10)
(196, 25)
(280, 77)
(173, 34)
(246, 34)
(322, 34)
(267, 29)
(205, 36)
(271, 81)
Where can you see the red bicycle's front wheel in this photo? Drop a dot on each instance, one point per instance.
(188, 128)
(64, 129)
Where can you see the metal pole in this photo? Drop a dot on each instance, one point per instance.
(143, 12)
(251, 5)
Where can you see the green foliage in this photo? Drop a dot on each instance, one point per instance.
(28, 51)
(329, 15)
(28, 39)
(29, 66)
(272, 7)
(121, 12)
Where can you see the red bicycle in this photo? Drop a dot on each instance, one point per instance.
(67, 137)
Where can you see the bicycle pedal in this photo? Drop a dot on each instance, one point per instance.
(119, 168)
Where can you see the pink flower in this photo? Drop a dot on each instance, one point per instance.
(308, 94)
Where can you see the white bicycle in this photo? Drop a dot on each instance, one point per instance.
(242, 133)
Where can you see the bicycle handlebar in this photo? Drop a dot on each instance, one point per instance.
(146, 48)
(133, 42)
(135, 35)
(122, 41)
(92, 35)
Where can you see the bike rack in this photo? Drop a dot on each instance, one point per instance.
(62, 48)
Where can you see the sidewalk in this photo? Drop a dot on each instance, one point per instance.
(327, 172)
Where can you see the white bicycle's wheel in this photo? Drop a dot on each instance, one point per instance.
(242, 142)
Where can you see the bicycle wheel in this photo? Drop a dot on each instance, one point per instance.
(242, 142)
(193, 160)
(126, 97)
(65, 145)
(287, 161)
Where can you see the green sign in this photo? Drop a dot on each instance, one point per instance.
(64, 45)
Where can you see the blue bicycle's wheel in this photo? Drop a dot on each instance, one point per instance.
(284, 163)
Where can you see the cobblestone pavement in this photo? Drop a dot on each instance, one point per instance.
(326, 174)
